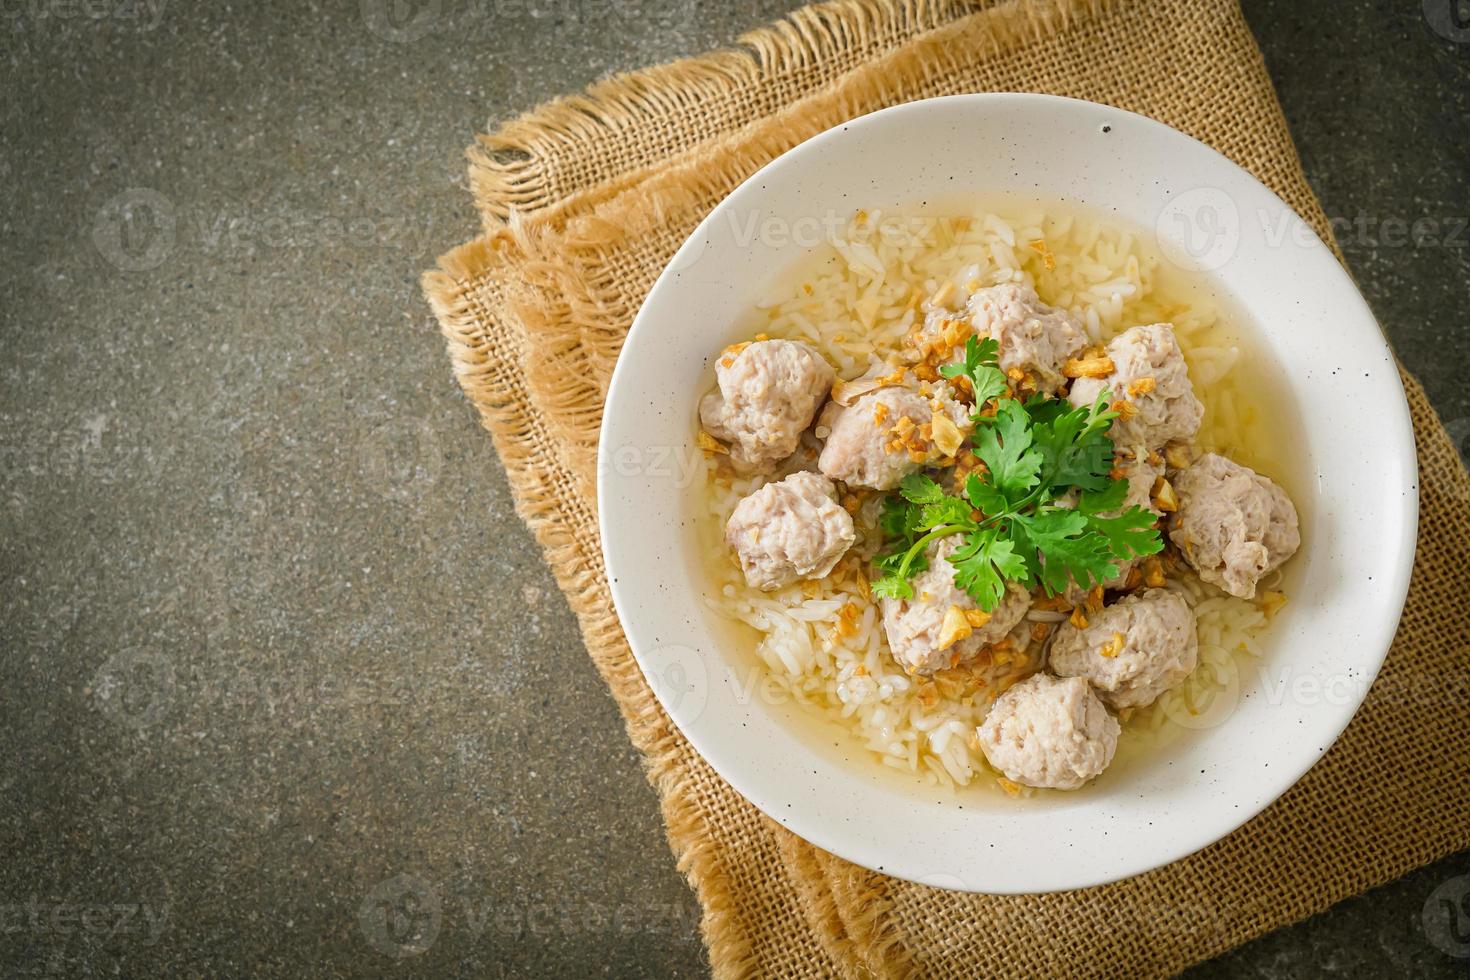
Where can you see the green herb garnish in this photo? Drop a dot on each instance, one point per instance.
(1011, 527)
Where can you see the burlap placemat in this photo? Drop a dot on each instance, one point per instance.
(585, 200)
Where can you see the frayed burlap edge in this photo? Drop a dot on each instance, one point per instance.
(518, 166)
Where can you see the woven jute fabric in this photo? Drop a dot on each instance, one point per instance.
(585, 200)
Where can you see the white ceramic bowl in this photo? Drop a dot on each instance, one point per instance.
(1357, 493)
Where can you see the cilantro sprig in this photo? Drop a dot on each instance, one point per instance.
(1011, 523)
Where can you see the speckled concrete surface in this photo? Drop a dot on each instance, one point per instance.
(277, 654)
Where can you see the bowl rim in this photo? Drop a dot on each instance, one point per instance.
(726, 763)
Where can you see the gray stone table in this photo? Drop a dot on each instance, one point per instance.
(273, 644)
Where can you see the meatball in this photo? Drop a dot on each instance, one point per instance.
(886, 434)
(941, 626)
(789, 530)
(768, 393)
(1150, 376)
(1034, 338)
(1233, 525)
(1049, 732)
(1142, 471)
(1131, 651)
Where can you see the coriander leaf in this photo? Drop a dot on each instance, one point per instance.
(986, 498)
(1044, 409)
(891, 587)
(1072, 551)
(1075, 445)
(949, 510)
(1025, 545)
(987, 381)
(899, 518)
(909, 558)
(983, 564)
(920, 489)
(1052, 523)
(1129, 535)
(1005, 448)
(1103, 501)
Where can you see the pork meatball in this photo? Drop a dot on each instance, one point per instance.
(1033, 338)
(1049, 732)
(789, 530)
(769, 391)
(886, 434)
(1142, 471)
(1150, 375)
(1233, 525)
(1131, 651)
(941, 626)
